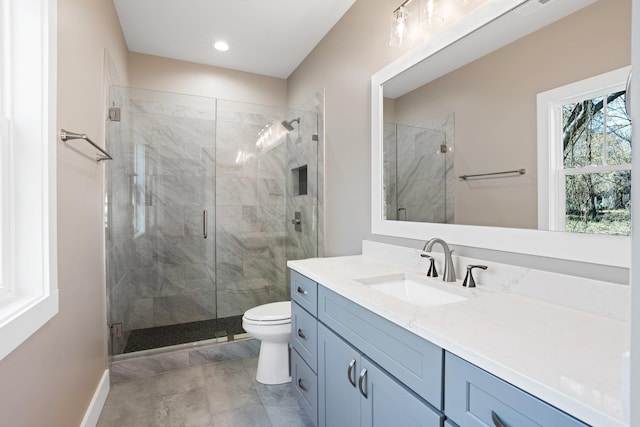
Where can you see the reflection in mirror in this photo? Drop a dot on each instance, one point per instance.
(596, 164)
(418, 171)
(494, 99)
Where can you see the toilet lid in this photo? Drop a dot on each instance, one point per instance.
(270, 312)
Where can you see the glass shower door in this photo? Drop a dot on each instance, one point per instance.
(160, 187)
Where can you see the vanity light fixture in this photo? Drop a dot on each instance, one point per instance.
(220, 45)
(400, 26)
(430, 12)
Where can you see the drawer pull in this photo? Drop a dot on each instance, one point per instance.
(497, 422)
(302, 386)
(351, 374)
(302, 291)
(302, 335)
(363, 380)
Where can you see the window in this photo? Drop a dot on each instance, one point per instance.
(587, 132)
(28, 287)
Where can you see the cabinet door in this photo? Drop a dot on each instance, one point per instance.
(338, 397)
(386, 402)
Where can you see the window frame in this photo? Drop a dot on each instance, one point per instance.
(551, 171)
(4, 135)
(29, 170)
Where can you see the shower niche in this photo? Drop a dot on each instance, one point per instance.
(299, 178)
(186, 167)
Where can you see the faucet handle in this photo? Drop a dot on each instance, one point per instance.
(468, 279)
(432, 272)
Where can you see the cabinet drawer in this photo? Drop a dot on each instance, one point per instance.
(305, 386)
(414, 361)
(473, 397)
(304, 291)
(304, 335)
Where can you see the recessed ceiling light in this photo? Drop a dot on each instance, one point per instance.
(221, 46)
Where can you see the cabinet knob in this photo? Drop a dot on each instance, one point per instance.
(302, 335)
(362, 380)
(351, 374)
(301, 291)
(302, 386)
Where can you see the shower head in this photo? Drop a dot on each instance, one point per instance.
(289, 125)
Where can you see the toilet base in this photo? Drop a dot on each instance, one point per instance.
(273, 363)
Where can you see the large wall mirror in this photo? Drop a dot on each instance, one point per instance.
(508, 131)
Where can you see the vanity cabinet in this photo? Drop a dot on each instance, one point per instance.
(304, 343)
(354, 391)
(412, 360)
(351, 367)
(476, 398)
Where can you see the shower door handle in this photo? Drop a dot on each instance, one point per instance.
(205, 223)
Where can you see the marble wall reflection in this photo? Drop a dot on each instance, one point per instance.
(177, 156)
(418, 171)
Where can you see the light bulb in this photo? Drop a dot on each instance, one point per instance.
(430, 12)
(400, 34)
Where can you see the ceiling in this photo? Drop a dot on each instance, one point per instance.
(265, 37)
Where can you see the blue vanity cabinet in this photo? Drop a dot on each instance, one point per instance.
(304, 335)
(353, 391)
(476, 398)
(338, 397)
(304, 343)
(304, 292)
(412, 360)
(304, 383)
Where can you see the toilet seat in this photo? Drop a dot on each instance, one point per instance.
(276, 313)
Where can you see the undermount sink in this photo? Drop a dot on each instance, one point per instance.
(419, 291)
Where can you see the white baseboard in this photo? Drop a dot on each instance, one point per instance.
(97, 402)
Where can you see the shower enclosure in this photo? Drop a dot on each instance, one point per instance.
(206, 200)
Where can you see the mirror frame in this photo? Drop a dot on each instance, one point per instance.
(597, 249)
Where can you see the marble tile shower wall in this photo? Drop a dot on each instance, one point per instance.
(250, 219)
(418, 177)
(315, 105)
(302, 150)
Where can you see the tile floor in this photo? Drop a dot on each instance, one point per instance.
(222, 394)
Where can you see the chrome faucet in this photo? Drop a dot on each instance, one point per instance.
(449, 270)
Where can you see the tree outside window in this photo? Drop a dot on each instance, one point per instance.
(596, 161)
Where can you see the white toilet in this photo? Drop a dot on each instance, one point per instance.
(271, 324)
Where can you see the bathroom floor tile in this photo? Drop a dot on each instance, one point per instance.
(223, 394)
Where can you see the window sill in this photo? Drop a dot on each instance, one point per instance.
(21, 317)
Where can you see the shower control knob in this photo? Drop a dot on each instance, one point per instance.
(296, 221)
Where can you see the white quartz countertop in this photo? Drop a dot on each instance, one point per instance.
(566, 357)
